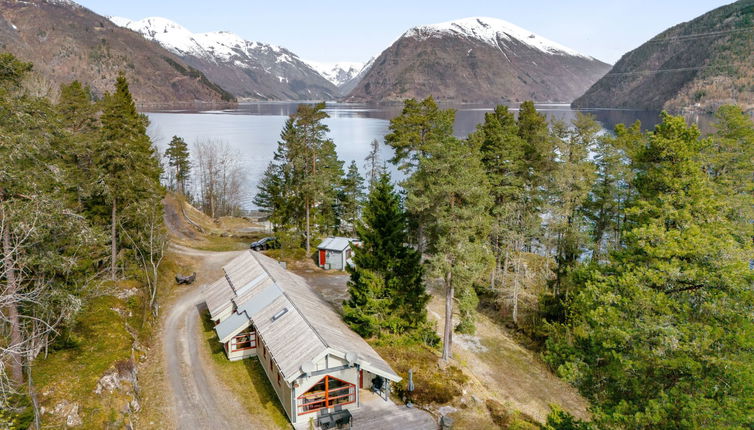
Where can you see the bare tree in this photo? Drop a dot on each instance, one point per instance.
(148, 244)
(219, 177)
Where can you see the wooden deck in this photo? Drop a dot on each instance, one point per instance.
(376, 413)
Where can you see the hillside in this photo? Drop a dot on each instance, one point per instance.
(700, 64)
(249, 70)
(477, 60)
(67, 42)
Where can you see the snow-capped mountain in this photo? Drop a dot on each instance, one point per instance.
(477, 60)
(491, 31)
(344, 75)
(337, 73)
(247, 69)
(67, 42)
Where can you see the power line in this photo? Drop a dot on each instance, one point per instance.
(680, 69)
(695, 36)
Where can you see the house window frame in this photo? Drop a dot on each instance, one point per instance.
(328, 399)
(252, 341)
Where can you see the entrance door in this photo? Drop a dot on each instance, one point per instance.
(321, 257)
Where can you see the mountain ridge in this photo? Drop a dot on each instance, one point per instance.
(696, 65)
(248, 69)
(477, 60)
(66, 41)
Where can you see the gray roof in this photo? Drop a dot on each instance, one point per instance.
(306, 328)
(336, 243)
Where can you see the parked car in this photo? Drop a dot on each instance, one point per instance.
(265, 243)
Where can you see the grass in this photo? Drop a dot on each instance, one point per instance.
(217, 243)
(247, 380)
(434, 384)
(97, 341)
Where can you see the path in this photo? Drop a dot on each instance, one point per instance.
(200, 400)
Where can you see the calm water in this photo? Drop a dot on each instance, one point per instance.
(253, 129)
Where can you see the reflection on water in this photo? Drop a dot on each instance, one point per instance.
(254, 128)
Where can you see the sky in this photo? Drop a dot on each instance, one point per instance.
(333, 31)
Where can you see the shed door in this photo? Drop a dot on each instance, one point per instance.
(321, 257)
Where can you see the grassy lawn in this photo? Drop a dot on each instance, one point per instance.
(247, 380)
(98, 341)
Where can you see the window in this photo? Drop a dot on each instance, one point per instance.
(326, 393)
(243, 341)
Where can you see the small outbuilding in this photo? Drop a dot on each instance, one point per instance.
(335, 252)
(314, 362)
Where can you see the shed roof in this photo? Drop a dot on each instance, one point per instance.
(295, 323)
(336, 243)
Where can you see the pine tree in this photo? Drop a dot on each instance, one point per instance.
(660, 337)
(373, 163)
(573, 178)
(126, 158)
(45, 245)
(539, 164)
(300, 187)
(386, 288)
(179, 161)
(610, 193)
(350, 198)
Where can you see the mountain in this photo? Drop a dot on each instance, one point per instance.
(699, 64)
(66, 41)
(249, 70)
(477, 60)
(337, 73)
(344, 75)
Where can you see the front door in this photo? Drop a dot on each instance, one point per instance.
(321, 257)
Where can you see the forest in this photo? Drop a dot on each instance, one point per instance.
(80, 211)
(624, 257)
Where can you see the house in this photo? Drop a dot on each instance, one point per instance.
(312, 359)
(335, 252)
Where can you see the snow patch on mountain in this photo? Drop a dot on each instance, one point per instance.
(339, 72)
(491, 31)
(216, 45)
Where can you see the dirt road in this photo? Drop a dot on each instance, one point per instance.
(201, 401)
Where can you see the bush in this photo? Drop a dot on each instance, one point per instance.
(558, 419)
(432, 383)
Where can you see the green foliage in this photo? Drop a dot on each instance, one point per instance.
(448, 205)
(558, 419)
(300, 186)
(660, 335)
(387, 294)
(350, 197)
(179, 160)
(433, 384)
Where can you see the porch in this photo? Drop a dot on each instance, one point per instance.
(376, 413)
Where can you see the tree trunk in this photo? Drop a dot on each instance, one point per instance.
(113, 238)
(447, 341)
(16, 367)
(307, 228)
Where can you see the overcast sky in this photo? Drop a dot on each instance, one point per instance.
(330, 30)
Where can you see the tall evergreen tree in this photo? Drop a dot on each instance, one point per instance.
(373, 163)
(386, 288)
(126, 158)
(350, 197)
(573, 179)
(607, 200)
(300, 187)
(42, 239)
(660, 337)
(179, 161)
